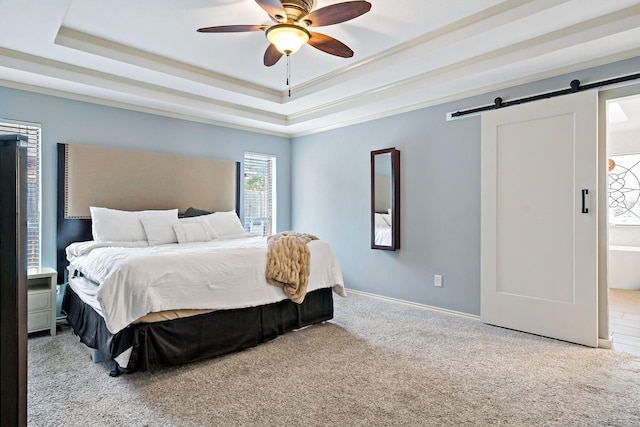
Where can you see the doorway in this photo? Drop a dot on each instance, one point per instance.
(616, 319)
(623, 221)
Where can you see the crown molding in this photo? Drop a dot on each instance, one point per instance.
(135, 107)
(126, 54)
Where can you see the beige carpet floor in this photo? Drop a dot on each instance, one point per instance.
(378, 363)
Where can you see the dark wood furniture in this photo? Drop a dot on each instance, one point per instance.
(13, 280)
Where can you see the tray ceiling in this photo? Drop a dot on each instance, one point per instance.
(146, 55)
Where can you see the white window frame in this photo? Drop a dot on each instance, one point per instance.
(265, 221)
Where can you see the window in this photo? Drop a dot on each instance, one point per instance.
(32, 131)
(259, 193)
(624, 189)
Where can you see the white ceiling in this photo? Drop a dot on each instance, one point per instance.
(626, 116)
(146, 55)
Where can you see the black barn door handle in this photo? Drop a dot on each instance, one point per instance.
(584, 201)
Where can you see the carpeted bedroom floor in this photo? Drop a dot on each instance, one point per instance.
(378, 363)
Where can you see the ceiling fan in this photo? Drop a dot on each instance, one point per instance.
(292, 18)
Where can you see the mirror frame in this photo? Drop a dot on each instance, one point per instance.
(395, 199)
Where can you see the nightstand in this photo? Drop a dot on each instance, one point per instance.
(41, 300)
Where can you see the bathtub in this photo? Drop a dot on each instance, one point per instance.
(624, 267)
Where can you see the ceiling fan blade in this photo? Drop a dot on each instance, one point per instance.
(273, 8)
(336, 13)
(329, 45)
(272, 55)
(232, 28)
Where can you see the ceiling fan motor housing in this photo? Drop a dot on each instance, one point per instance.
(296, 9)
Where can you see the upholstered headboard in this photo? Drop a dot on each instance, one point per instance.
(135, 180)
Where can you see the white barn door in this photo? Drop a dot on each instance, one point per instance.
(539, 265)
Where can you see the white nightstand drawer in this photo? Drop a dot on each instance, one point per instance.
(41, 300)
(38, 321)
(37, 301)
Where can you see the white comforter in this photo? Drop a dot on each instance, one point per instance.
(135, 280)
(383, 236)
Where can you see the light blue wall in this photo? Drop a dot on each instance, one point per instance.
(69, 121)
(440, 182)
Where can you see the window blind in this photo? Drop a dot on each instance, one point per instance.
(259, 193)
(32, 132)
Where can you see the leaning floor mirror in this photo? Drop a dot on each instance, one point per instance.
(385, 199)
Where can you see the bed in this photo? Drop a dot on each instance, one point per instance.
(382, 229)
(119, 300)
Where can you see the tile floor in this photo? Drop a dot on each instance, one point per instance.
(624, 320)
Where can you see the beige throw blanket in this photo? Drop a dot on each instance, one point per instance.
(288, 262)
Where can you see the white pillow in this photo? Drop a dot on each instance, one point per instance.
(201, 219)
(225, 223)
(159, 228)
(109, 225)
(189, 230)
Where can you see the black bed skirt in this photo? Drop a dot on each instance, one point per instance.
(175, 342)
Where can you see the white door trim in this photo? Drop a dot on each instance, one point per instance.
(628, 89)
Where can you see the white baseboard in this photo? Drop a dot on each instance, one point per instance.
(605, 343)
(414, 304)
(602, 342)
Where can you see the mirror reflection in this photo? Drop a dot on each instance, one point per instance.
(385, 199)
(382, 199)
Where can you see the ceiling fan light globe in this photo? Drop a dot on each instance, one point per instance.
(287, 38)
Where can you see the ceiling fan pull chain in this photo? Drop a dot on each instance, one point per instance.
(289, 75)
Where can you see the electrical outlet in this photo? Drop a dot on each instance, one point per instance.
(437, 280)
